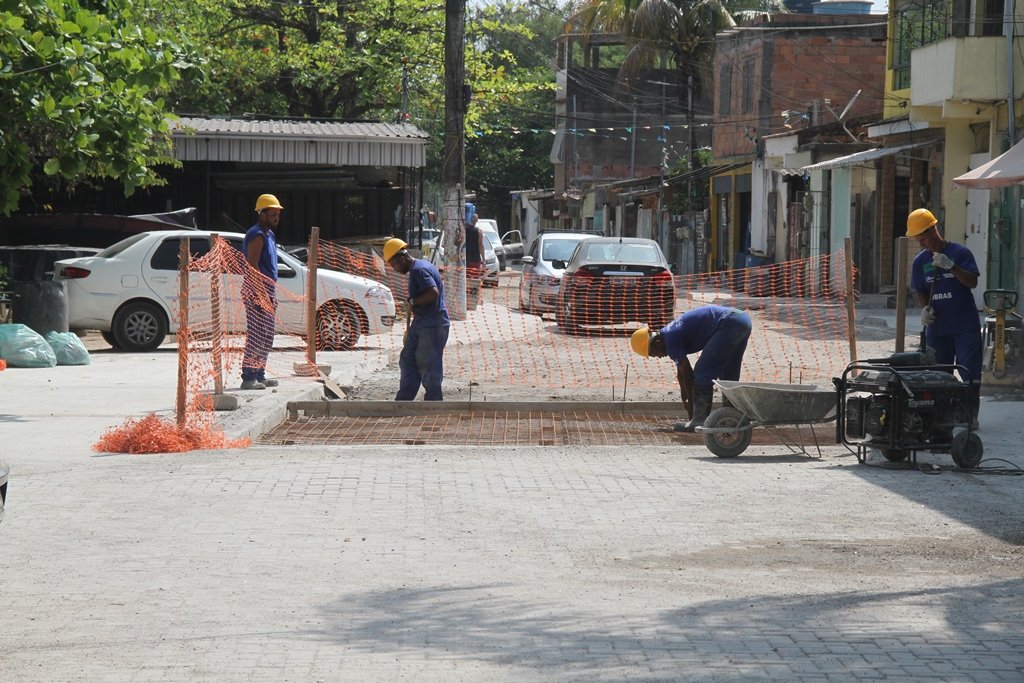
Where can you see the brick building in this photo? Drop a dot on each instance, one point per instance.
(774, 74)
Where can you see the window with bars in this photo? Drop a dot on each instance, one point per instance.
(725, 90)
(748, 84)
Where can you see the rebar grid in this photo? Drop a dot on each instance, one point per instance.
(498, 428)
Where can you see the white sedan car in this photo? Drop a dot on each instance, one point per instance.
(129, 292)
(538, 288)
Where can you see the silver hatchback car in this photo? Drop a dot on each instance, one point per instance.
(538, 288)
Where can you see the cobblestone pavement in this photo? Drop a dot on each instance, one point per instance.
(508, 564)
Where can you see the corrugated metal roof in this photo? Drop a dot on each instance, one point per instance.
(855, 158)
(299, 142)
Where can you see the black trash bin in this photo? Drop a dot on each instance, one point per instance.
(42, 306)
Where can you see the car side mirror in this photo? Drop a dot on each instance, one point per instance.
(285, 271)
(527, 260)
(558, 263)
(673, 268)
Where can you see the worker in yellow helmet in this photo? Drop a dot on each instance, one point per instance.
(942, 277)
(719, 333)
(422, 359)
(259, 292)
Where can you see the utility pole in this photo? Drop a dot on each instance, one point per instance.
(690, 154)
(1016, 229)
(453, 170)
(632, 145)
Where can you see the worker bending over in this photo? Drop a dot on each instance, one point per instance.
(719, 333)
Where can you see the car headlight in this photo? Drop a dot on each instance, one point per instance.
(379, 293)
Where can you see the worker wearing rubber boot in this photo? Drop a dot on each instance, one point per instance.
(942, 277)
(422, 359)
(719, 334)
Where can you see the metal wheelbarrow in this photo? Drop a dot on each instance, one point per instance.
(727, 430)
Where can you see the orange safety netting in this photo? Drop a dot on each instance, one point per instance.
(552, 335)
(517, 331)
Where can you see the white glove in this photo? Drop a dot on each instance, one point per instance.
(942, 261)
(927, 316)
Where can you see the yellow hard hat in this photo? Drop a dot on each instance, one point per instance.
(392, 247)
(641, 341)
(267, 201)
(918, 221)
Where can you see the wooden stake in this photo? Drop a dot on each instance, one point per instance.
(851, 314)
(902, 250)
(311, 287)
(218, 328)
(183, 259)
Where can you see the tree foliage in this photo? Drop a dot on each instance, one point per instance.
(684, 29)
(81, 95)
(317, 58)
(509, 69)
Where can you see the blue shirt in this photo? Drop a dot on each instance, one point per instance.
(268, 256)
(422, 277)
(689, 333)
(953, 303)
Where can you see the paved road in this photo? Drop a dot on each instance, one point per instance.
(488, 564)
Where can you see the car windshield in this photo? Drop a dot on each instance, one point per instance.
(115, 249)
(619, 252)
(557, 250)
(492, 238)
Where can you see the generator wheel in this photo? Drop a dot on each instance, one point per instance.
(727, 444)
(966, 450)
(894, 454)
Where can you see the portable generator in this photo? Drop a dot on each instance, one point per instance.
(904, 404)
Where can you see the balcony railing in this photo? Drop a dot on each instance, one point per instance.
(923, 22)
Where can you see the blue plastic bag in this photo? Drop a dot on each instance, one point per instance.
(68, 348)
(23, 347)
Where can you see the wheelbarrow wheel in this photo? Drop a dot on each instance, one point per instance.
(966, 450)
(727, 444)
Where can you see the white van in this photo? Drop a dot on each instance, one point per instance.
(490, 225)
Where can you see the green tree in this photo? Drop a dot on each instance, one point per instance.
(81, 95)
(683, 29)
(509, 69)
(316, 58)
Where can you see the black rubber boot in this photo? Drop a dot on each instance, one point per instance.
(701, 408)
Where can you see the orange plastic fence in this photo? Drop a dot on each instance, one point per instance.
(524, 332)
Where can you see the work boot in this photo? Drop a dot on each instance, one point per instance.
(253, 384)
(701, 408)
(269, 382)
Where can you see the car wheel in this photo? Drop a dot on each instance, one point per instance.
(524, 306)
(337, 327)
(139, 326)
(110, 339)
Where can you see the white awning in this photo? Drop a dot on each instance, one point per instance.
(855, 158)
(1005, 170)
